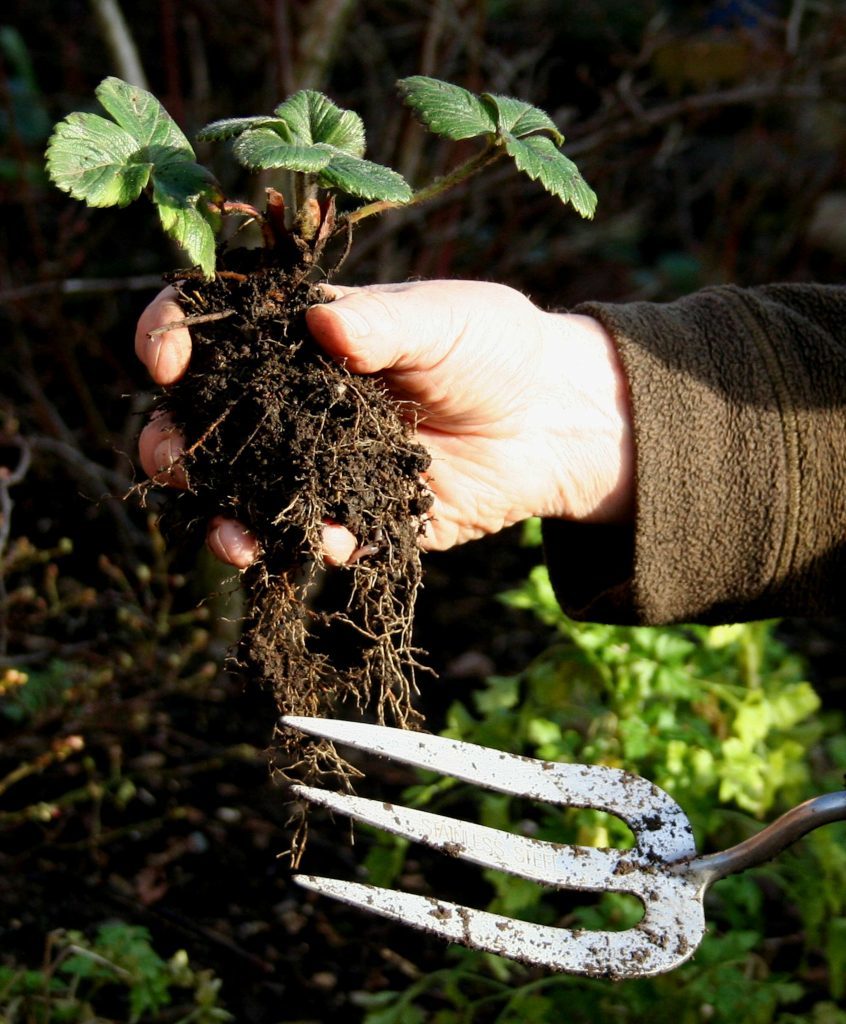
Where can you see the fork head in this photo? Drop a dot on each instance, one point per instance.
(673, 922)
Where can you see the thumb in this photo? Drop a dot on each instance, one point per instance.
(389, 327)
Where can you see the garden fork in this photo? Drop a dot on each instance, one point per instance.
(662, 870)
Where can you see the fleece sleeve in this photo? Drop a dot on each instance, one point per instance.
(738, 400)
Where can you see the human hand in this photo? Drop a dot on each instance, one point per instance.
(523, 412)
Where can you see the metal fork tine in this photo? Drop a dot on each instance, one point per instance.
(672, 902)
(572, 867)
(660, 826)
(594, 953)
(662, 870)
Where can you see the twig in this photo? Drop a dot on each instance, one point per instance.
(653, 117)
(8, 478)
(120, 42)
(101, 481)
(191, 321)
(210, 430)
(61, 750)
(81, 286)
(102, 961)
(89, 472)
(319, 39)
(283, 49)
(49, 649)
(793, 27)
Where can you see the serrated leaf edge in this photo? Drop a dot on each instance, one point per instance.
(230, 127)
(426, 117)
(578, 193)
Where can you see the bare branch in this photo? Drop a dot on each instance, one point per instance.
(793, 27)
(651, 117)
(8, 478)
(319, 40)
(119, 40)
(81, 286)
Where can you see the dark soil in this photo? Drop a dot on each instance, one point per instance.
(285, 440)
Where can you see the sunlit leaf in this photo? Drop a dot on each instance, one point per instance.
(190, 229)
(265, 148)
(365, 179)
(182, 183)
(447, 109)
(313, 117)
(141, 114)
(92, 159)
(177, 192)
(520, 118)
(793, 705)
(230, 127)
(539, 158)
(109, 163)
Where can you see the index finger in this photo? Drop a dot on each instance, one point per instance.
(166, 355)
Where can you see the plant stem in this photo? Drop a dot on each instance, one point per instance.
(474, 165)
(248, 210)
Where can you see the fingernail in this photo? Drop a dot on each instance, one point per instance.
(234, 543)
(167, 455)
(161, 353)
(328, 291)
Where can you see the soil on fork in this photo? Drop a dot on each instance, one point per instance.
(285, 439)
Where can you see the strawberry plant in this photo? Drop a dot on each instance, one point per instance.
(278, 435)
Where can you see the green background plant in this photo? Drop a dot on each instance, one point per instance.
(117, 972)
(721, 717)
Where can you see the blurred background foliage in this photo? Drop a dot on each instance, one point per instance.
(133, 778)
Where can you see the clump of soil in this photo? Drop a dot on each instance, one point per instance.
(283, 438)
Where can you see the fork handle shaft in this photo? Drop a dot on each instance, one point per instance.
(821, 810)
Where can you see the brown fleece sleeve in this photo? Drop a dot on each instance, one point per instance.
(739, 409)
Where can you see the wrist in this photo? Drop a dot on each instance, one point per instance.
(592, 435)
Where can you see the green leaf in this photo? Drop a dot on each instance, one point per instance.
(178, 189)
(365, 179)
(457, 113)
(539, 157)
(313, 117)
(516, 117)
(385, 861)
(141, 114)
(230, 127)
(446, 109)
(109, 164)
(265, 148)
(91, 158)
(793, 705)
(189, 228)
(402, 1012)
(184, 180)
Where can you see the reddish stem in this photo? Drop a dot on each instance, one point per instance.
(276, 214)
(248, 210)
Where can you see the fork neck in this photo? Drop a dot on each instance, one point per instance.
(770, 841)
